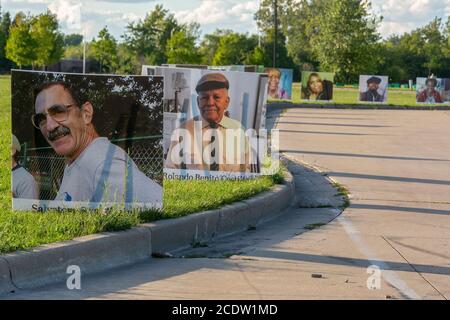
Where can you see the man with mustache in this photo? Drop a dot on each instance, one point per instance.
(96, 170)
(372, 94)
(212, 151)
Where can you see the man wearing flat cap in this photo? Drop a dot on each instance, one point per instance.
(210, 149)
(372, 94)
(23, 184)
(430, 94)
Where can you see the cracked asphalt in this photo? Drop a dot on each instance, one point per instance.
(396, 166)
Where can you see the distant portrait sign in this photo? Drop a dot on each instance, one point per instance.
(317, 86)
(430, 90)
(373, 89)
(280, 83)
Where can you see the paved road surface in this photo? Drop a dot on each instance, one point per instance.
(396, 165)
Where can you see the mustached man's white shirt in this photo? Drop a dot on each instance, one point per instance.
(104, 172)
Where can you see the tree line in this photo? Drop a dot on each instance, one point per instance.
(340, 36)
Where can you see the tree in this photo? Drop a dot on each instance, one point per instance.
(105, 50)
(128, 63)
(21, 46)
(344, 38)
(148, 38)
(234, 48)
(73, 39)
(266, 24)
(181, 47)
(50, 41)
(256, 57)
(5, 23)
(210, 44)
(421, 52)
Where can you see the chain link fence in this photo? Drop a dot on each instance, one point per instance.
(48, 168)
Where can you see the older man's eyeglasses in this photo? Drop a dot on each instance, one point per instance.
(58, 112)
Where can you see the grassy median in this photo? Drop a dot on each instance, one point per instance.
(23, 230)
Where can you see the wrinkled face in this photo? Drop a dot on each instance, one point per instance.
(315, 85)
(373, 86)
(213, 104)
(65, 137)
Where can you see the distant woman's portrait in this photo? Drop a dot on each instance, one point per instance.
(275, 90)
(317, 89)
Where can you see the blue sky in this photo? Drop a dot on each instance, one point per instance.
(399, 15)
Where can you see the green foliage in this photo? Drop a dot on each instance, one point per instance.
(5, 23)
(422, 52)
(35, 40)
(128, 62)
(210, 44)
(181, 47)
(344, 38)
(49, 41)
(20, 46)
(105, 51)
(148, 38)
(73, 39)
(234, 48)
(256, 57)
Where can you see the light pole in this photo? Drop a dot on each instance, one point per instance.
(84, 55)
(275, 38)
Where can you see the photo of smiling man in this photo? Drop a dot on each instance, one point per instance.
(93, 169)
(213, 123)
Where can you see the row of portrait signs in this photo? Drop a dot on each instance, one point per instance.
(84, 141)
(318, 86)
(374, 89)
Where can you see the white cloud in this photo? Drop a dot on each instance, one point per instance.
(406, 15)
(399, 15)
(223, 14)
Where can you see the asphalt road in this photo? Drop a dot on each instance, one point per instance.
(396, 165)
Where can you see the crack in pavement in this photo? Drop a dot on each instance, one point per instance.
(414, 268)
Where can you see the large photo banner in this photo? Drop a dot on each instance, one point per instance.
(212, 123)
(373, 89)
(86, 141)
(317, 86)
(431, 90)
(280, 83)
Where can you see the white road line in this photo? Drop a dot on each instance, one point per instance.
(390, 276)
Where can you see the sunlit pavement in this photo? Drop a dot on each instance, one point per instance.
(396, 165)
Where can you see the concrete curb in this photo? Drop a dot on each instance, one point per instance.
(284, 105)
(178, 234)
(48, 264)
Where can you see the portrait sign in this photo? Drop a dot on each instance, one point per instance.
(430, 90)
(373, 89)
(280, 83)
(86, 141)
(317, 86)
(212, 123)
